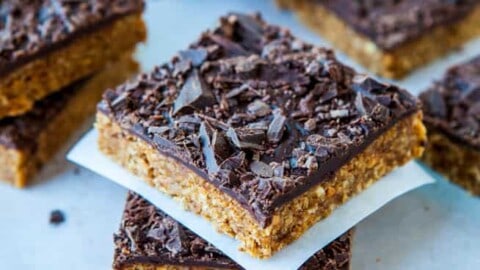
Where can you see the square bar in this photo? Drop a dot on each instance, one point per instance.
(452, 116)
(258, 132)
(391, 38)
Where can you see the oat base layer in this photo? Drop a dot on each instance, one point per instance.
(392, 64)
(401, 143)
(82, 56)
(457, 162)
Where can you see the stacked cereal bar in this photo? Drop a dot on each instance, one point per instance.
(452, 115)
(392, 37)
(56, 58)
(260, 133)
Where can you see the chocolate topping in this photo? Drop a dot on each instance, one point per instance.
(452, 105)
(21, 132)
(269, 103)
(147, 235)
(29, 28)
(390, 23)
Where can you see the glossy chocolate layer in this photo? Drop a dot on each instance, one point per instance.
(22, 132)
(149, 236)
(258, 113)
(452, 104)
(30, 28)
(390, 23)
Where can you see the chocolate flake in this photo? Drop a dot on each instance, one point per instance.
(259, 108)
(196, 56)
(246, 138)
(261, 169)
(194, 94)
(276, 128)
(208, 148)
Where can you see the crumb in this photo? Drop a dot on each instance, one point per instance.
(377, 260)
(76, 170)
(57, 217)
(426, 208)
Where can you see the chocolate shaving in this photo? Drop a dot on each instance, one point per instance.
(196, 56)
(195, 93)
(246, 138)
(261, 169)
(259, 108)
(276, 128)
(208, 148)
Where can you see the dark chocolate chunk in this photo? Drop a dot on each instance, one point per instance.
(259, 108)
(208, 138)
(243, 118)
(57, 217)
(195, 93)
(195, 56)
(261, 169)
(246, 138)
(276, 128)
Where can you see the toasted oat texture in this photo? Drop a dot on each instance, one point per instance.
(52, 121)
(458, 162)
(392, 63)
(401, 143)
(79, 57)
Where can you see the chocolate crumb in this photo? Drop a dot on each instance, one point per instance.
(57, 217)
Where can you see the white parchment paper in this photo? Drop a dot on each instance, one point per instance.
(404, 179)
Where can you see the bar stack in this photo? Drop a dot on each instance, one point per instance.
(56, 58)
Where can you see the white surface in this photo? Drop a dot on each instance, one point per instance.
(434, 227)
(86, 154)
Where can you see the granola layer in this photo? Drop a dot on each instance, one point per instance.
(47, 45)
(390, 51)
(162, 243)
(30, 140)
(457, 162)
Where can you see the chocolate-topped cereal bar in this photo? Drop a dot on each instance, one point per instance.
(392, 37)
(452, 116)
(150, 239)
(259, 132)
(30, 140)
(46, 45)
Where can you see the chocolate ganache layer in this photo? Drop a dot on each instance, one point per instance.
(256, 112)
(452, 104)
